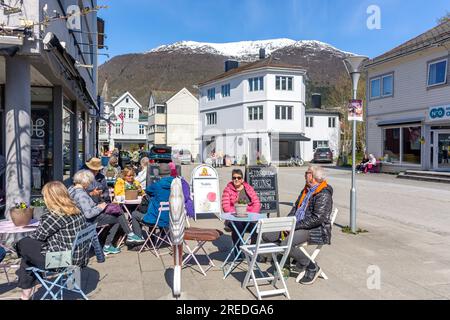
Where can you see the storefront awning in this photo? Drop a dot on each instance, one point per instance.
(290, 137)
(400, 121)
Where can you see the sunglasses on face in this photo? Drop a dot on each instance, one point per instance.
(237, 178)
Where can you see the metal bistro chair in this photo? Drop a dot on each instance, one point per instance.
(155, 233)
(252, 251)
(64, 276)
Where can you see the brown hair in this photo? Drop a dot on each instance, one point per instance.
(57, 199)
(127, 171)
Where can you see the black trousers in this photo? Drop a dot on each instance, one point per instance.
(30, 251)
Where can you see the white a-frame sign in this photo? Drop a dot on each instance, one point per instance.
(206, 191)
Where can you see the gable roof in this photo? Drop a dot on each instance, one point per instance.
(270, 62)
(428, 39)
(123, 97)
(161, 96)
(181, 91)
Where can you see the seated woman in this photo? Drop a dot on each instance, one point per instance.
(362, 166)
(142, 176)
(113, 170)
(98, 213)
(371, 164)
(238, 190)
(56, 232)
(128, 180)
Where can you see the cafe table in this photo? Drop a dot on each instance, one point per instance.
(232, 218)
(9, 234)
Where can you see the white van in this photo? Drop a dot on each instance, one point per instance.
(182, 156)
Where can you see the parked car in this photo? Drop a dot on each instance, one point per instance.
(183, 156)
(160, 154)
(323, 155)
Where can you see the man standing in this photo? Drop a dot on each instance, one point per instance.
(313, 212)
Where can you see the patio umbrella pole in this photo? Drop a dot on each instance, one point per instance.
(177, 225)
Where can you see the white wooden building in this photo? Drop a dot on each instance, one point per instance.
(255, 110)
(408, 112)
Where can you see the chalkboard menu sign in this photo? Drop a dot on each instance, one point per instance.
(265, 182)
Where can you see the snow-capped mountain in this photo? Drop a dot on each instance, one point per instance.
(188, 63)
(245, 50)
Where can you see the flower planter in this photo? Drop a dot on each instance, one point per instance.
(241, 209)
(131, 194)
(21, 217)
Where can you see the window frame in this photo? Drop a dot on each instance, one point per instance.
(332, 122)
(310, 122)
(391, 75)
(226, 90)
(401, 161)
(433, 62)
(380, 78)
(284, 110)
(284, 83)
(256, 84)
(211, 94)
(255, 113)
(211, 118)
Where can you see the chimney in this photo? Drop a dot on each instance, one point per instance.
(262, 54)
(316, 100)
(230, 65)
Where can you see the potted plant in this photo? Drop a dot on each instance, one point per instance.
(39, 208)
(21, 215)
(241, 208)
(131, 192)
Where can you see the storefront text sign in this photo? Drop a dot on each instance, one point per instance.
(205, 185)
(439, 113)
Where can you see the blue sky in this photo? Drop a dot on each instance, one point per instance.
(135, 26)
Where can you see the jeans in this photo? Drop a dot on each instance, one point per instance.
(300, 236)
(138, 217)
(30, 251)
(116, 222)
(99, 254)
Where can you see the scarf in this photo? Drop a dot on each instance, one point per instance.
(306, 197)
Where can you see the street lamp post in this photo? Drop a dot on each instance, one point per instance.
(353, 65)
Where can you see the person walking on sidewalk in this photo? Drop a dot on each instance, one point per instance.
(313, 212)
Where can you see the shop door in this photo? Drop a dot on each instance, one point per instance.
(442, 151)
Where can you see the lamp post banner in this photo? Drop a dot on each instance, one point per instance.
(355, 110)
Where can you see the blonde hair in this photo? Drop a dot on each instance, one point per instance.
(84, 178)
(127, 171)
(57, 199)
(145, 161)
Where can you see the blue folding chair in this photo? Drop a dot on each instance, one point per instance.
(64, 276)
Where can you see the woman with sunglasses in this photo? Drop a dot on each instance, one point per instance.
(239, 190)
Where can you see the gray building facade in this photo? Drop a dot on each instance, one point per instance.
(48, 100)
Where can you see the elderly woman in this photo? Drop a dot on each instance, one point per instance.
(313, 212)
(98, 213)
(56, 232)
(142, 176)
(113, 170)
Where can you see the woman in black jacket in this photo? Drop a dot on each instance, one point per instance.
(313, 212)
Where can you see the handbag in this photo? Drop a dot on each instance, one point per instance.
(113, 209)
(143, 207)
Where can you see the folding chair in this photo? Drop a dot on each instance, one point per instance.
(201, 236)
(252, 251)
(64, 276)
(316, 251)
(7, 266)
(158, 239)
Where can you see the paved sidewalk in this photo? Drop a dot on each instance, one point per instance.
(408, 241)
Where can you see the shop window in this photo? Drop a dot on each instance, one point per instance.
(411, 145)
(392, 144)
(81, 139)
(67, 146)
(41, 147)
